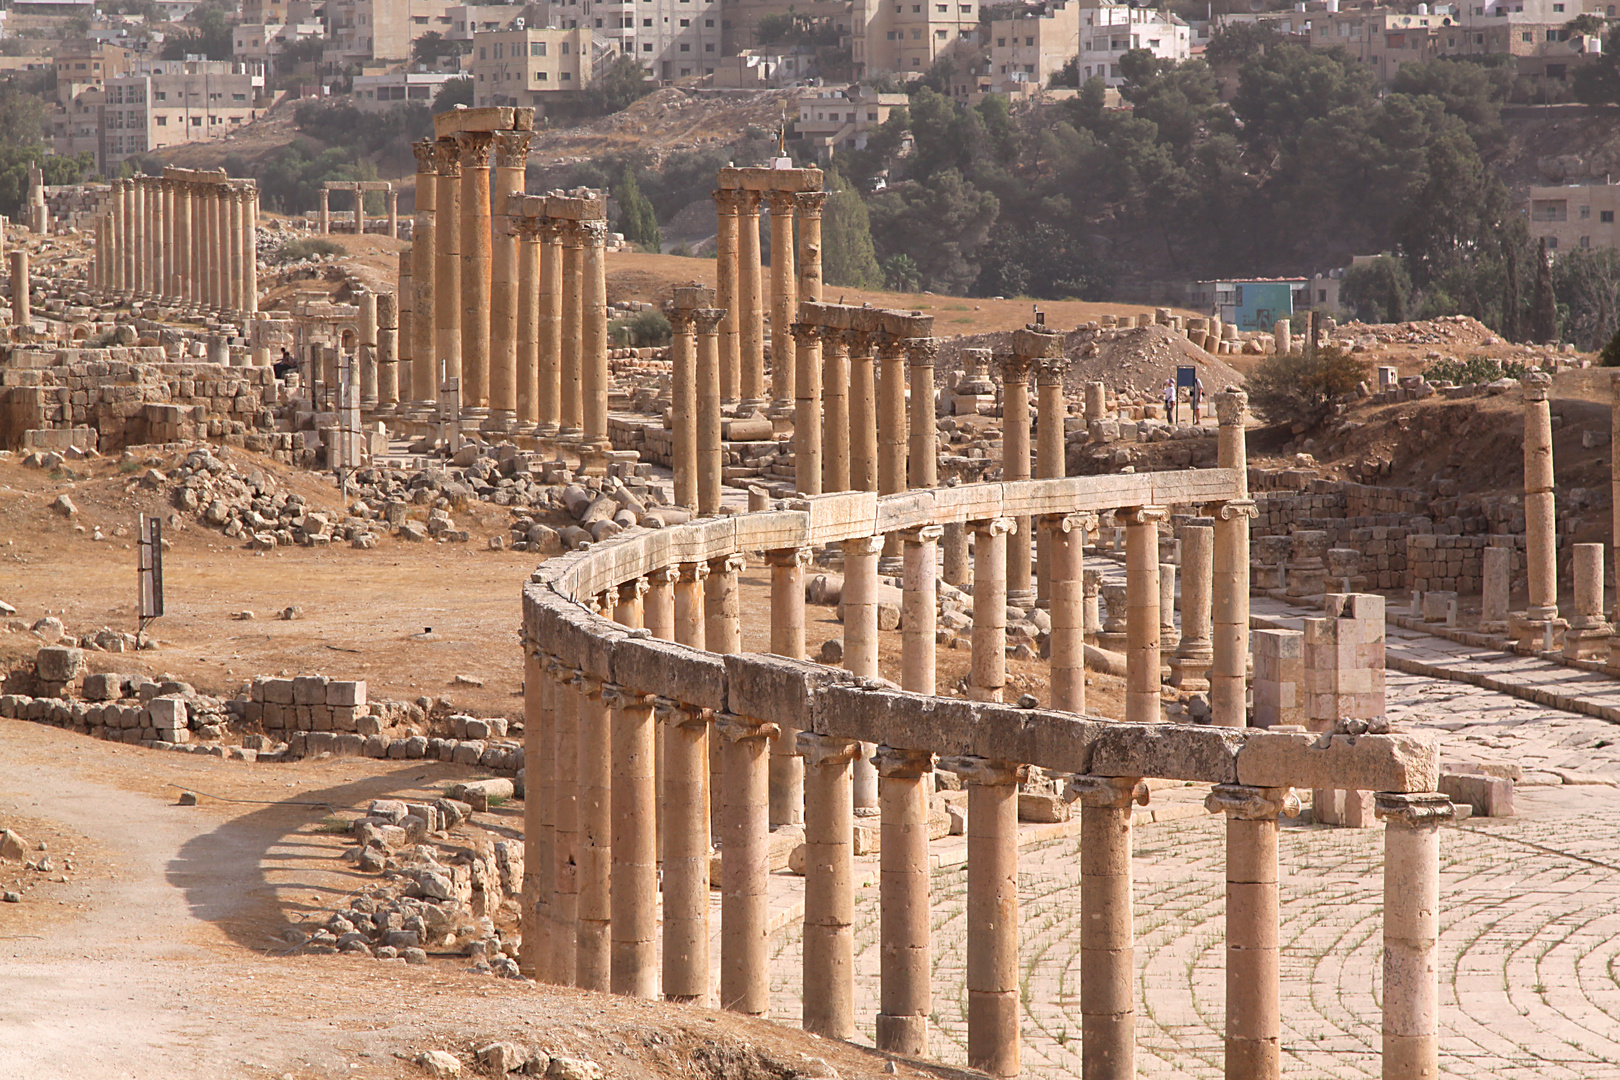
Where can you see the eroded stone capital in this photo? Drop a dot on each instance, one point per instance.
(810, 203)
(863, 545)
(708, 319)
(894, 763)
(985, 772)
(1244, 803)
(1414, 811)
(1535, 385)
(1001, 526)
(663, 575)
(632, 590)
(592, 233)
(693, 572)
(922, 351)
(922, 534)
(512, 149)
(790, 558)
(825, 750)
(1012, 367)
(623, 697)
(447, 156)
(1141, 515)
(727, 564)
(781, 202)
(1050, 370)
(734, 728)
(1118, 792)
(1080, 521)
(727, 200)
(1230, 407)
(475, 148)
(682, 715)
(805, 333)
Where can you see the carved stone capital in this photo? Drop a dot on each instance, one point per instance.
(423, 149)
(1415, 811)
(797, 557)
(1012, 367)
(693, 572)
(734, 728)
(825, 750)
(781, 202)
(1244, 803)
(894, 763)
(1141, 515)
(632, 590)
(921, 351)
(985, 772)
(1051, 369)
(1230, 407)
(664, 575)
(708, 319)
(1237, 508)
(728, 200)
(1081, 521)
(863, 545)
(1001, 526)
(447, 155)
(805, 333)
(622, 697)
(588, 684)
(512, 149)
(809, 204)
(1118, 792)
(682, 715)
(475, 148)
(593, 233)
(728, 564)
(562, 671)
(922, 534)
(1536, 385)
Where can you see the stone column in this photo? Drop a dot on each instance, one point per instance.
(658, 613)
(722, 615)
(954, 547)
(1253, 993)
(140, 229)
(1051, 409)
(593, 353)
(387, 350)
(1067, 538)
(120, 218)
(475, 147)
(710, 456)
(750, 300)
(551, 323)
(222, 247)
(787, 639)
(593, 844)
(992, 911)
(1015, 466)
(1230, 576)
(861, 639)
(807, 461)
(424, 277)
(526, 355)
(572, 404)
(1540, 514)
(21, 310)
(201, 254)
(683, 404)
(808, 206)
(1107, 952)
(366, 350)
(325, 215)
(920, 548)
(728, 202)
(924, 449)
(184, 214)
(1588, 631)
(165, 262)
(690, 620)
(835, 425)
(1411, 931)
(829, 886)
(686, 850)
(784, 301)
(634, 963)
(565, 827)
(989, 665)
(233, 205)
(863, 434)
(1189, 666)
(393, 213)
(447, 267)
(511, 156)
(534, 957)
(892, 435)
(905, 996)
(250, 250)
(745, 984)
(1142, 702)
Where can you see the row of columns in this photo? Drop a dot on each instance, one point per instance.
(183, 238)
(359, 190)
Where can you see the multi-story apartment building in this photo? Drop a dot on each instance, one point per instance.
(162, 103)
(1109, 31)
(379, 93)
(1575, 216)
(529, 67)
(259, 45)
(673, 39)
(81, 65)
(360, 31)
(279, 11)
(833, 119)
(1027, 49)
(907, 36)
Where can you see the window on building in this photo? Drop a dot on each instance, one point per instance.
(567, 76)
(916, 35)
(871, 115)
(1527, 37)
(163, 121)
(646, 46)
(539, 76)
(685, 47)
(646, 22)
(537, 48)
(967, 9)
(940, 34)
(709, 48)
(942, 8)
(1001, 43)
(1606, 216)
(708, 23)
(1558, 8)
(238, 97)
(196, 121)
(1586, 241)
(1552, 243)
(481, 51)
(1586, 212)
(565, 48)
(686, 22)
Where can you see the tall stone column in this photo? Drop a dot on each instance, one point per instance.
(594, 842)
(1540, 514)
(787, 639)
(366, 350)
(954, 554)
(1142, 701)
(393, 212)
(534, 956)
(475, 149)
(325, 213)
(808, 206)
(919, 597)
(659, 611)
(234, 198)
(140, 228)
(424, 277)
(387, 350)
(905, 994)
(165, 263)
(1107, 950)
(728, 203)
(22, 313)
(924, 455)
(745, 984)
(1051, 409)
(199, 245)
(988, 673)
(447, 267)
(1230, 575)
(892, 435)
(690, 617)
(861, 639)
(722, 611)
(250, 250)
(992, 911)
(222, 247)
(1253, 991)
(863, 410)
(1189, 666)
(1066, 535)
(750, 300)
(565, 828)
(1015, 466)
(634, 963)
(807, 464)
(593, 353)
(835, 427)
(686, 850)
(511, 157)
(829, 885)
(784, 300)
(180, 275)
(527, 351)
(1614, 485)
(710, 457)
(551, 328)
(1411, 931)
(123, 263)
(572, 401)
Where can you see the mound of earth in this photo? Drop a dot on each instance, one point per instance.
(1130, 361)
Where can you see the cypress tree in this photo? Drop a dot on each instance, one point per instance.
(1544, 304)
(637, 219)
(847, 255)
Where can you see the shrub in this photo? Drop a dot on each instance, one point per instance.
(1610, 356)
(640, 330)
(293, 250)
(1300, 391)
(1476, 369)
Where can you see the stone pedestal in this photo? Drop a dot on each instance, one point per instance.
(1588, 634)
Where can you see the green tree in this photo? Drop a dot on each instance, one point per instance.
(1299, 389)
(211, 36)
(1471, 92)
(1377, 291)
(847, 257)
(432, 45)
(1237, 43)
(1610, 356)
(454, 92)
(1587, 284)
(637, 221)
(941, 224)
(900, 274)
(1281, 90)
(1544, 302)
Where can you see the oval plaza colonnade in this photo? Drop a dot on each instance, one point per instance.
(633, 668)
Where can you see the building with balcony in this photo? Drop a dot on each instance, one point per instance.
(907, 36)
(529, 67)
(1575, 216)
(833, 119)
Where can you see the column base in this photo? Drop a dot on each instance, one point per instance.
(1531, 633)
(499, 422)
(1189, 671)
(902, 1035)
(1587, 642)
(1024, 599)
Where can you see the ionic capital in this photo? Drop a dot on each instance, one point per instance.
(1236, 508)
(512, 149)
(622, 697)
(1001, 526)
(682, 715)
(562, 671)
(825, 750)
(809, 204)
(632, 590)
(664, 575)
(922, 534)
(894, 763)
(1081, 521)
(1422, 810)
(790, 558)
(985, 772)
(1117, 792)
(734, 728)
(862, 545)
(1141, 515)
(588, 684)
(1241, 802)
(727, 564)
(693, 572)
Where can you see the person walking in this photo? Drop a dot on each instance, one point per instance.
(1195, 397)
(1170, 400)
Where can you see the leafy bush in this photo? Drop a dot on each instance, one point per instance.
(1475, 369)
(293, 250)
(1298, 390)
(645, 328)
(1610, 356)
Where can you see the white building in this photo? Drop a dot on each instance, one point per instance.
(1110, 31)
(379, 93)
(673, 39)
